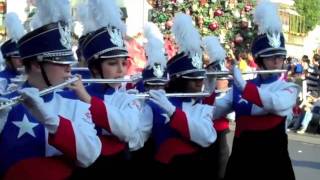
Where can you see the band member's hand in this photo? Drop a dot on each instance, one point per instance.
(80, 90)
(159, 97)
(36, 106)
(237, 78)
(4, 112)
(133, 91)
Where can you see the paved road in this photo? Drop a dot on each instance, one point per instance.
(305, 155)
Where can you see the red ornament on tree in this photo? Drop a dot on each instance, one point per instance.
(238, 39)
(218, 12)
(213, 26)
(247, 8)
(203, 2)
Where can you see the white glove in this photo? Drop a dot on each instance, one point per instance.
(133, 91)
(119, 99)
(159, 97)
(3, 85)
(3, 112)
(12, 87)
(237, 78)
(36, 106)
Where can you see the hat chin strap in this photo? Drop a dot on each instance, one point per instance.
(44, 74)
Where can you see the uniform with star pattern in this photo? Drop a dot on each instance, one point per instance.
(24, 140)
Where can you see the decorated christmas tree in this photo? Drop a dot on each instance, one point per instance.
(231, 20)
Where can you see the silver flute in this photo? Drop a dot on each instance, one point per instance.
(16, 100)
(109, 81)
(101, 81)
(200, 94)
(217, 73)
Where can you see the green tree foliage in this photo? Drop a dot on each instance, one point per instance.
(232, 22)
(310, 9)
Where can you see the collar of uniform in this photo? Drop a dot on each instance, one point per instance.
(11, 71)
(182, 99)
(102, 89)
(259, 80)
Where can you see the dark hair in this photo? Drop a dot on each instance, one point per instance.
(316, 57)
(94, 64)
(289, 59)
(305, 57)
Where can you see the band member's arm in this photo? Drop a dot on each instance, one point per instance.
(282, 99)
(120, 116)
(73, 133)
(193, 122)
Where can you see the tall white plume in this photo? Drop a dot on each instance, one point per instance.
(85, 18)
(154, 48)
(186, 35)
(14, 26)
(214, 49)
(49, 11)
(106, 13)
(267, 18)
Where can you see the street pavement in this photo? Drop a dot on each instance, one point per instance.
(304, 152)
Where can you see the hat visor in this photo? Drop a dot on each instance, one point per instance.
(64, 60)
(195, 75)
(115, 54)
(273, 52)
(155, 82)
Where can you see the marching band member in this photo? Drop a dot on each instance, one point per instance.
(10, 51)
(47, 136)
(154, 77)
(115, 113)
(260, 145)
(216, 57)
(182, 127)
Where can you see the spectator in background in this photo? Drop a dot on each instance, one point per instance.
(305, 62)
(312, 76)
(297, 71)
(312, 109)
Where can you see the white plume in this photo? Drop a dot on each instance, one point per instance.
(35, 22)
(1, 59)
(267, 18)
(155, 46)
(14, 26)
(214, 49)
(106, 13)
(85, 18)
(49, 11)
(186, 35)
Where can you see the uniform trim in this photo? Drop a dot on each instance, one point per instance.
(64, 138)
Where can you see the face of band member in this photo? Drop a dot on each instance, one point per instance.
(114, 69)
(16, 62)
(57, 73)
(274, 62)
(194, 85)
